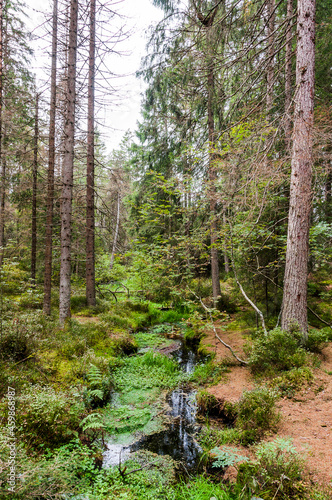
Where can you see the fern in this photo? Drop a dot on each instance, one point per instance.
(93, 421)
(94, 376)
(96, 393)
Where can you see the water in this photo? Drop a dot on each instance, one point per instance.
(178, 439)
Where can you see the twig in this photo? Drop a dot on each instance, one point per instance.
(318, 317)
(215, 331)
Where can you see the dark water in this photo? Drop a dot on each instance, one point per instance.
(178, 439)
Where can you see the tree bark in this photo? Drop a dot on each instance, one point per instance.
(67, 170)
(2, 163)
(51, 161)
(116, 233)
(34, 197)
(90, 203)
(295, 281)
(288, 77)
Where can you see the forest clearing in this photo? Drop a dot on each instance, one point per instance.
(166, 305)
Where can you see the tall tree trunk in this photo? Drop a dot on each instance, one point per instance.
(51, 161)
(288, 77)
(226, 258)
(90, 203)
(67, 170)
(116, 232)
(295, 281)
(2, 163)
(34, 198)
(270, 52)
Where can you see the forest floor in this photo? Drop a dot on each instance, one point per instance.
(306, 417)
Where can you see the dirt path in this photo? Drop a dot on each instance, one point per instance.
(307, 418)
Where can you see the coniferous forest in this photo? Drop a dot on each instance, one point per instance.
(165, 308)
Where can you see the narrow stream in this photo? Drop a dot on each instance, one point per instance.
(177, 440)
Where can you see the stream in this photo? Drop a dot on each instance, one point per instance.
(177, 439)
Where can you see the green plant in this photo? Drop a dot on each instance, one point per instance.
(278, 469)
(257, 414)
(208, 373)
(278, 351)
(48, 417)
(226, 456)
(98, 391)
(289, 382)
(18, 342)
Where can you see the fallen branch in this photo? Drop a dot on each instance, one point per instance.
(318, 317)
(215, 331)
(258, 311)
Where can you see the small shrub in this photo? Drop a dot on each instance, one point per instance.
(292, 381)
(257, 414)
(49, 417)
(18, 342)
(317, 339)
(278, 469)
(278, 351)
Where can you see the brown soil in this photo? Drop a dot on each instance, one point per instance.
(306, 418)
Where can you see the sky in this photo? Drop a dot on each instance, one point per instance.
(123, 111)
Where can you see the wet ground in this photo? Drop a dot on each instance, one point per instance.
(178, 438)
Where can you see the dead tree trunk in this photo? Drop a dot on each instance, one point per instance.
(51, 161)
(90, 203)
(34, 198)
(295, 281)
(67, 170)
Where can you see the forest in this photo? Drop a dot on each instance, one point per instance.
(166, 307)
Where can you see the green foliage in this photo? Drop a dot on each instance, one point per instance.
(276, 352)
(48, 417)
(290, 382)
(278, 470)
(226, 456)
(98, 392)
(208, 373)
(17, 342)
(210, 437)
(257, 414)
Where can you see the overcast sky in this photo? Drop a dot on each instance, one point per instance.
(123, 113)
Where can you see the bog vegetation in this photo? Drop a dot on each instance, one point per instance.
(214, 217)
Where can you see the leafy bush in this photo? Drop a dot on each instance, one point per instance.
(18, 342)
(317, 339)
(257, 414)
(276, 352)
(278, 470)
(49, 417)
(293, 380)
